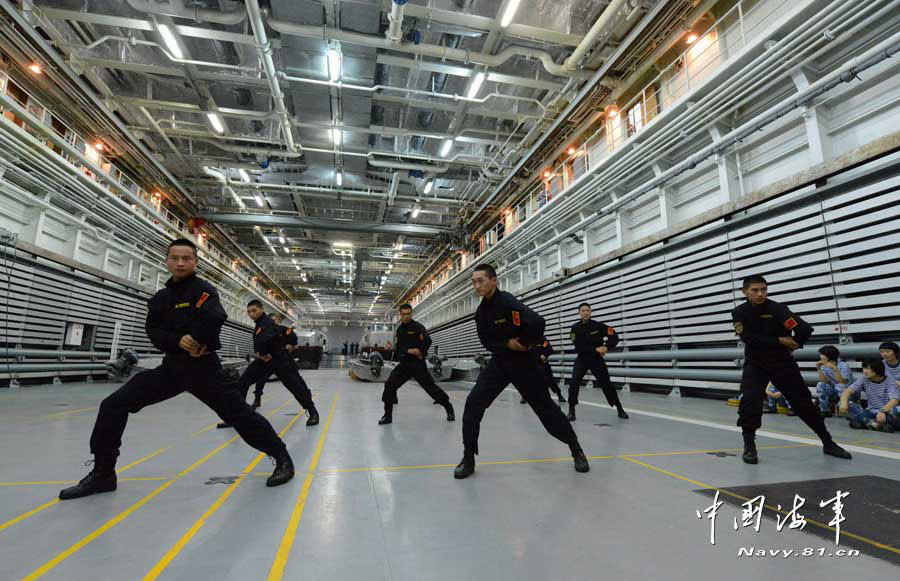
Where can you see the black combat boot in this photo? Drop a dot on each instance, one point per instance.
(621, 411)
(749, 455)
(222, 425)
(102, 478)
(571, 416)
(581, 463)
(451, 415)
(284, 469)
(832, 449)
(313, 417)
(257, 401)
(388, 416)
(466, 466)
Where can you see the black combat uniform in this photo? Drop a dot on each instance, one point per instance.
(543, 353)
(269, 340)
(290, 338)
(498, 319)
(412, 335)
(587, 337)
(188, 307)
(766, 359)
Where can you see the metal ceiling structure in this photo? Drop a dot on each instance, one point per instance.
(342, 145)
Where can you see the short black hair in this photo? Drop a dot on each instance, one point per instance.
(584, 305)
(892, 346)
(487, 269)
(182, 242)
(753, 279)
(255, 303)
(876, 365)
(830, 351)
(405, 306)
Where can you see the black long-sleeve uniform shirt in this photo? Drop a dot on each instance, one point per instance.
(546, 349)
(588, 336)
(288, 335)
(504, 317)
(190, 306)
(269, 338)
(412, 335)
(759, 327)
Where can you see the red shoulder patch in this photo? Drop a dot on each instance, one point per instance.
(258, 330)
(610, 331)
(517, 321)
(202, 300)
(790, 323)
(289, 330)
(421, 336)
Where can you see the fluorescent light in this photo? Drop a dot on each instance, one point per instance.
(244, 176)
(286, 250)
(281, 239)
(294, 260)
(339, 178)
(35, 68)
(511, 8)
(336, 135)
(216, 122)
(475, 86)
(342, 244)
(415, 212)
(333, 64)
(428, 186)
(258, 200)
(170, 41)
(445, 148)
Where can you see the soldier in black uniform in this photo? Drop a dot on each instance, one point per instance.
(271, 357)
(411, 344)
(771, 333)
(510, 330)
(544, 351)
(183, 321)
(592, 340)
(290, 342)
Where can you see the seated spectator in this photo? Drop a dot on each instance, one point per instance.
(776, 400)
(834, 377)
(890, 353)
(883, 397)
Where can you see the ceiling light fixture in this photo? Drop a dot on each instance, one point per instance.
(342, 244)
(445, 148)
(36, 68)
(281, 239)
(475, 86)
(99, 146)
(244, 175)
(692, 38)
(428, 186)
(415, 212)
(336, 135)
(258, 200)
(216, 122)
(169, 38)
(333, 64)
(339, 178)
(286, 249)
(508, 14)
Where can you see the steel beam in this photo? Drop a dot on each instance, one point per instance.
(415, 230)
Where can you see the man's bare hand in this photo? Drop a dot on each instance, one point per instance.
(843, 408)
(544, 358)
(789, 343)
(188, 343)
(880, 418)
(514, 345)
(415, 352)
(289, 348)
(602, 350)
(200, 351)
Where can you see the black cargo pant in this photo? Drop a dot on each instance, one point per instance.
(786, 375)
(201, 378)
(285, 370)
(412, 367)
(522, 371)
(597, 366)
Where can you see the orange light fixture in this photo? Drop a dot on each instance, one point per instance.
(692, 38)
(571, 151)
(36, 68)
(99, 146)
(612, 113)
(547, 174)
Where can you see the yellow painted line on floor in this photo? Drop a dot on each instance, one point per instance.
(186, 538)
(287, 541)
(70, 412)
(844, 532)
(141, 460)
(31, 512)
(206, 429)
(49, 565)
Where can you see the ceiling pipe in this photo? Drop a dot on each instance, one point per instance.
(432, 50)
(601, 27)
(265, 50)
(369, 194)
(408, 166)
(223, 179)
(177, 9)
(394, 32)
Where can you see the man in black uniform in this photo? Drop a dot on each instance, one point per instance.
(510, 330)
(411, 343)
(183, 321)
(592, 341)
(271, 357)
(771, 333)
(544, 351)
(290, 341)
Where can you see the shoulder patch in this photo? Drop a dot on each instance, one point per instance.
(790, 323)
(517, 321)
(258, 330)
(289, 330)
(546, 343)
(421, 336)
(738, 327)
(610, 331)
(202, 299)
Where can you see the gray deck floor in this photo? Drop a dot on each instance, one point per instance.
(381, 502)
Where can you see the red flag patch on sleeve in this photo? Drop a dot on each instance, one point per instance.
(258, 330)
(610, 331)
(790, 323)
(202, 299)
(289, 330)
(517, 321)
(421, 337)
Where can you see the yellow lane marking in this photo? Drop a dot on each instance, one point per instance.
(287, 541)
(844, 532)
(70, 412)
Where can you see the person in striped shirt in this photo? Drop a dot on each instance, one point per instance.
(834, 377)
(890, 352)
(883, 397)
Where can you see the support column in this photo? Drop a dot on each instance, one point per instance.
(817, 121)
(727, 168)
(667, 211)
(623, 229)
